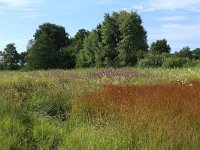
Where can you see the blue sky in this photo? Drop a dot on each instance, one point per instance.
(176, 20)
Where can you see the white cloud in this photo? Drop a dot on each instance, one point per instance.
(137, 7)
(27, 8)
(171, 18)
(180, 31)
(18, 3)
(168, 5)
(105, 1)
(178, 35)
(174, 4)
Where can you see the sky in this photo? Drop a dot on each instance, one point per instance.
(178, 21)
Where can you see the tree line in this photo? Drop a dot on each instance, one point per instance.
(119, 40)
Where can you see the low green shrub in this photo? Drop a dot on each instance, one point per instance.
(152, 61)
(174, 62)
(192, 63)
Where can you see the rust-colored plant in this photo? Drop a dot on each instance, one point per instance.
(170, 111)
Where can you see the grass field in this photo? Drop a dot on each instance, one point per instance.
(100, 109)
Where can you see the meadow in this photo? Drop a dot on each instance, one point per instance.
(100, 109)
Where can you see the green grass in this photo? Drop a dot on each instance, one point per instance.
(45, 110)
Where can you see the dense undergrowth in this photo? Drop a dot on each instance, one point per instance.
(100, 109)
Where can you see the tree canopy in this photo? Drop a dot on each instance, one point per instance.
(119, 40)
(10, 57)
(49, 39)
(185, 52)
(160, 46)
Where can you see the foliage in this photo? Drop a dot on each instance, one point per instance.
(67, 58)
(174, 62)
(10, 57)
(196, 53)
(88, 53)
(1, 60)
(78, 40)
(133, 38)
(42, 54)
(49, 39)
(120, 40)
(55, 32)
(151, 61)
(185, 53)
(159, 47)
(192, 63)
(114, 43)
(23, 58)
(110, 38)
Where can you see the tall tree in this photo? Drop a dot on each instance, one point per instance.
(67, 57)
(133, 38)
(185, 52)
(77, 45)
(56, 33)
(87, 56)
(78, 40)
(160, 46)
(30, 44)
(22, 58)
(196, 53)
(100, 54)
(10, 57)
(110, 37)
(49, 39)
(42, 54)
(1, 60)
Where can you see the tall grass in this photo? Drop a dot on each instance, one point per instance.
(100, 109)
(161, 116)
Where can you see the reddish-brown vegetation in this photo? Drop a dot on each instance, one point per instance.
(177, 98)
(172, 109)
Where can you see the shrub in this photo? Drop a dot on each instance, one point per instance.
(151, 61)
(174, 62)
(192, 63)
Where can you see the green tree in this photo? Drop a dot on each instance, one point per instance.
(196, 53)
(22, 58)
(49, 39)
(10, 57)
(159, 47)
(110, 37)
(30, 44)
(78, 44)
(87, 56)
(56, 33)
(42, 55)
(67, 58)
(78, 40)
(185, 52)
(100, 54)
(1, 60)
(133, 38)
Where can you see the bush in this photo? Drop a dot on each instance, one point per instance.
(151, 61)
(192, 63)
(174, 62)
